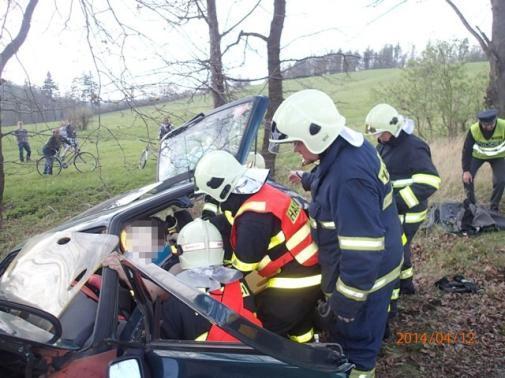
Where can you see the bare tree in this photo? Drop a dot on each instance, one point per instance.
(273, 42)
(8, 52)
(495, 52)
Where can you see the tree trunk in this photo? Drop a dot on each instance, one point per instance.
(216, 64)
(6, 54)
(495, 95)
(274, 76)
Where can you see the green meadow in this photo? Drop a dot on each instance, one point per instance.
(34, 203)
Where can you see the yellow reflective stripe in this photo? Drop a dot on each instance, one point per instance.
(387, 278)
(242, 266)
(210, 207)
(351, 292)
(402, 183)
(416, 217)
(361, 295)
(395, 295)
(264, 262)
(404, 239)
(298, 237)
(355, 373)
(306, 253)
(294, 283)
(276, 240)
(490, 151)
(324, 224)
(202, 337)
(229, 217)
(227, 262)
(259, 206)
(361, 244)
(409, 197)
(388, 200)
(327, 224)
(407, 273)
(423, 178)
(303, 338)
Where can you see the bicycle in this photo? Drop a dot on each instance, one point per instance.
(82, 161)
(149, 150)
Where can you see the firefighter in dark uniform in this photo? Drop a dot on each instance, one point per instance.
(412, 172)
(271, 242)
(485, 142)
(201, 260)
(354, 222)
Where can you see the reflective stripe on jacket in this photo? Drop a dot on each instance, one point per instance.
(491, 148)
(294, 238)
(413, 175)
(355, 224)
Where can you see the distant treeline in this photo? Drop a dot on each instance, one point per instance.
(348, 61)
(33, 104)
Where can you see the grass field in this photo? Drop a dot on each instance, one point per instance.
(34, 203)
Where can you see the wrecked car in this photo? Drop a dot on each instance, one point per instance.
(64, 315)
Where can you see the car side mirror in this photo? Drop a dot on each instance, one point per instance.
(129, 367)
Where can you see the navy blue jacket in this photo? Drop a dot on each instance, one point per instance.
(355, 224)
(414, 177)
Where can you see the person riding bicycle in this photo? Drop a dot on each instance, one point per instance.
(51, 148)
(67, 130)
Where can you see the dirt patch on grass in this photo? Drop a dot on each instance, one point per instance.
(440, 334)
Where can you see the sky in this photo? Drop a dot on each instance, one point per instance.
(58, 41)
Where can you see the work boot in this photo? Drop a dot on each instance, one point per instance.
(407, 287)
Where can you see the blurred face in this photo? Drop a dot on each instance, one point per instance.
(308, 157)
(384, 137)
(489, 125)
(143, 243)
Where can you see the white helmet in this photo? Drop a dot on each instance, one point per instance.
(218, 174)
(309, 116)
(201, 245)
(255, 160)
(382, 118)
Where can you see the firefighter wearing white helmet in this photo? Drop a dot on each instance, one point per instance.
(384, 118)
(271, 242)
(200, 247)
(201, 244)
(255, 160)
(354, 221)
(412, 172)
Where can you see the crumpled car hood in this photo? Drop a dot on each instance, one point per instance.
(51, 268)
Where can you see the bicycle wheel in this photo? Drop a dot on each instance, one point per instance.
(55, 169)
(143, 159)
(85, 162)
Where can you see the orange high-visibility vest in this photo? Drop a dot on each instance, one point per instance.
(295, 228)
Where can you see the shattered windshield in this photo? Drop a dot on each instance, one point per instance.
(222, 130)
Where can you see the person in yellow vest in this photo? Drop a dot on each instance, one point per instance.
(485, 142)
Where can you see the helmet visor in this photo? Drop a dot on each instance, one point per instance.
(277, 137)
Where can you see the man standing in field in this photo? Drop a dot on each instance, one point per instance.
(22, 138)
(485, 142)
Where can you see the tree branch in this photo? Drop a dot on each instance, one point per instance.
(485, 46)
(16, 43)
(242, 19)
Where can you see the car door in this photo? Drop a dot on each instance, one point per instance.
(260, 353)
